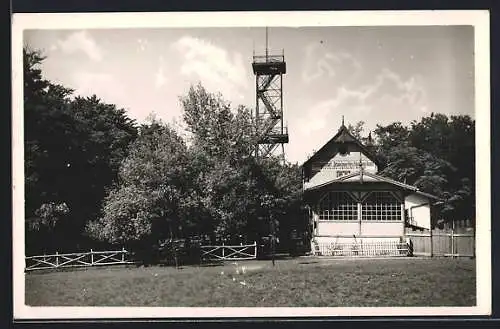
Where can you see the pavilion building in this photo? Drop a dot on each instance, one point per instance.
(350, 204)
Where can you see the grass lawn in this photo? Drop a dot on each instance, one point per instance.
(297, 282)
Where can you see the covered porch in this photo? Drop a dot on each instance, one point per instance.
(354, 213)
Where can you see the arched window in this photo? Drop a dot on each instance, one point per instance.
(338, 206)
(381, 206)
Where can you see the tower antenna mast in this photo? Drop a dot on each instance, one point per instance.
(267, 43)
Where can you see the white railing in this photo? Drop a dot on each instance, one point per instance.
(366, 249)
(268, 58)
(85, 259)
(223, 252)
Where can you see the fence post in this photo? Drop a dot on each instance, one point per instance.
(255, 249)
(222, 249)
(432, 243)
(474, 241)
(123, 255)
(57, 259)
(91, 257)
(452, 239)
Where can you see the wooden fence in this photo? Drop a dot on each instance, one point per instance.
(85, 259)
(117, 257)
(442, 243)
(241, 252)
(367, 249)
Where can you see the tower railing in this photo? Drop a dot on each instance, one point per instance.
(268, 59)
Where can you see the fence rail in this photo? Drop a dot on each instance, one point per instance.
(117, 257)
(241, 252)
(367, 249)
(85, 259)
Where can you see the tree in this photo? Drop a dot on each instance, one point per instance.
(239, 194)
(357, 129)
(210, 185)
(73, 147)
(222, 145)
(387, 138)
(144, 207)
(416, 167)
(453, 139)
(435, 154)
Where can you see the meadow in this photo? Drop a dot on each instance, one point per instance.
(298, 282)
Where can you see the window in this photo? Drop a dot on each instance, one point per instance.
(341, 173)
(338, 206)
(381, 206)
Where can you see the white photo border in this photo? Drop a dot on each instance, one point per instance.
(477, 18)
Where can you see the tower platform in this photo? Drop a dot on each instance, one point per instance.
(270, 64)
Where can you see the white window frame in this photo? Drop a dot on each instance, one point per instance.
(347, 212)
(382, 211)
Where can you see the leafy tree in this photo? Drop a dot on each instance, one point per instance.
(73, 147)
(435, 154)
(452, 139)
(144, 207)
(357, 129)
(416, 167)
(221, 143)
(284, 199)
(387, 138)
(238, 193)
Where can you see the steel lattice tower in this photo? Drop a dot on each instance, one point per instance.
(271, 132)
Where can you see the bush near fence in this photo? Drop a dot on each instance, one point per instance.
(169, 252)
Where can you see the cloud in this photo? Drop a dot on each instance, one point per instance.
(318, 113)
(160, 77)
(321, 115)
(80, 41)
(143, 44)
(387, 85)
(214, 66)
(388, 97)
(391, 86)
(104, 85)
(318, 63)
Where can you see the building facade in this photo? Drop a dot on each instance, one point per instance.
(349, 202)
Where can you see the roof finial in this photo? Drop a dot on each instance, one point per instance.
(342, 120)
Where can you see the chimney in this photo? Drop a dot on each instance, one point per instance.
(369, 144)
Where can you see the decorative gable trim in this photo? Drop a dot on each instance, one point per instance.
(366, 177)
(342, 136)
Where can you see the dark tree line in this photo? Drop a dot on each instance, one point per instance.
(73, 149)
(94, 177)
(436, 154)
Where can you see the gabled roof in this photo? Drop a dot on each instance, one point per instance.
(342, 136)
(366, 177)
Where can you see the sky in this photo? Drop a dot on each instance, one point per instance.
(376, 74)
